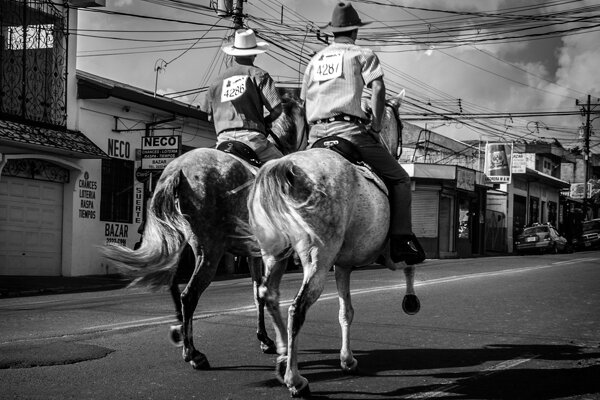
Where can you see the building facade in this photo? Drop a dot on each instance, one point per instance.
(449, 193)
(71, 176)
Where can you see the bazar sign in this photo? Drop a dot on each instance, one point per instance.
(158, 151)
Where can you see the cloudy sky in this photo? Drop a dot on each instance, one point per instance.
(517, 60)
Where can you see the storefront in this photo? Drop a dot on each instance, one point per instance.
(448, 209)
(532, 197)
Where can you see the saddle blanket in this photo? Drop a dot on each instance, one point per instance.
(369, 175)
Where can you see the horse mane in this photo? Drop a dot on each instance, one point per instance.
(286, 127)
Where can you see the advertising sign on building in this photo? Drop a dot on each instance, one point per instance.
(522, 161)
(158, 151)
(498, 160)
(465, 179)
(578, 190)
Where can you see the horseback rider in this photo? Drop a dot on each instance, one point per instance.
(236, 98)
(331, 89)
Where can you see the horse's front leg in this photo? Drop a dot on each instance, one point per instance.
(204, 272)
(410, 304)
(266, 344)
(346, 314)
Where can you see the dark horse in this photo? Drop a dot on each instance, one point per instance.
(200, 201)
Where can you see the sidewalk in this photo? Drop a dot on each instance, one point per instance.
(16, 286)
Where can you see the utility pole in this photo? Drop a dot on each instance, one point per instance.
(587, 111)
(237, 15)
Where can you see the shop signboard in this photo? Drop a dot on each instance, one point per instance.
(158, 151)
(498, 160)
(577, 190)
(522, 161)
(465, 179)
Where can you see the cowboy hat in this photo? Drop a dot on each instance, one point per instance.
(245, 44)
(344, 18)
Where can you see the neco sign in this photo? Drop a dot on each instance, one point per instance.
(158, 151)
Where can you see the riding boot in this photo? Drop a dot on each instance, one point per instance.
(406, 248)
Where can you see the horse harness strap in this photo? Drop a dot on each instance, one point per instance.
(240, 188)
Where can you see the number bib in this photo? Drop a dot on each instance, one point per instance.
(233, 87)
(328, 66)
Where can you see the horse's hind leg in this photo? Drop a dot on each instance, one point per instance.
(266, 344)
(175, 330)
(315, 274)
(206, 267)
(346, 314)
(411, 304)
(176, 296)
(185, 267)
(269, 294)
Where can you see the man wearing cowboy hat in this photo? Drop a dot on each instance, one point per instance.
(236, 98)
(332, 87)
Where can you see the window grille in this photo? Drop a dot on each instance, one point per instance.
(116, 204)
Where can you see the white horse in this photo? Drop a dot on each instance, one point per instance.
(321, 206)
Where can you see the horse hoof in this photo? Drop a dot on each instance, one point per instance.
(199, 361)
(411, 304)
(280, 367)
(350, 368)
(301, 393)
(175, 335)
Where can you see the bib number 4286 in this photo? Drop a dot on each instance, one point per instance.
(233, 87)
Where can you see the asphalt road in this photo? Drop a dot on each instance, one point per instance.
(489, 328)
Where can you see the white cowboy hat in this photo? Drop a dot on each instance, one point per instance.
(245, 44)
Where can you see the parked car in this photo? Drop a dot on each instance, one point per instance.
(541, 239)
(590, 238)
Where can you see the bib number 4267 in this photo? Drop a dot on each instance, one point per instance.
(328, 66)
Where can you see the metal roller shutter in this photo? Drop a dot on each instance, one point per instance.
(425, 212)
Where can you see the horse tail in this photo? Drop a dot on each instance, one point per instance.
(166, 230)
(281, 189)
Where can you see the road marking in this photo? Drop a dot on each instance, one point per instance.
(333, 295)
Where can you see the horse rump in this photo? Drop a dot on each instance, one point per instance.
(280, 191)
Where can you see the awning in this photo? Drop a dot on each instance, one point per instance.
(48, 140)
(533, 175)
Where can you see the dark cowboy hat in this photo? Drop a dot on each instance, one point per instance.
(344, 18)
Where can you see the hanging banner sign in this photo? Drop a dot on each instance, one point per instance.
(498, 160)
(158, 151)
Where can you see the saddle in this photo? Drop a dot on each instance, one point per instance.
(348, 150)
(241, 150)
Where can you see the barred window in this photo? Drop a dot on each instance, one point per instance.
(116, 204)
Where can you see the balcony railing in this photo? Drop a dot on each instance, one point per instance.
(33, 61)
